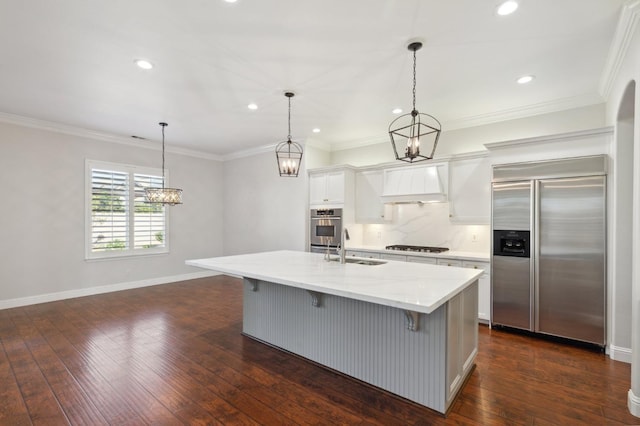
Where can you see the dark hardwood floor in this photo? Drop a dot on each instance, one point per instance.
(173, 354)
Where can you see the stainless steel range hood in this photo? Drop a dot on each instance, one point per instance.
(416, 185)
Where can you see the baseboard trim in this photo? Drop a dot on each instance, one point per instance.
(634, 404)
(618, 353)
(71, 294)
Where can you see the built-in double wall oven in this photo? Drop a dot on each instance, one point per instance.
(325, 228)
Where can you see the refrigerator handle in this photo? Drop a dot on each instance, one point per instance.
(535, 253)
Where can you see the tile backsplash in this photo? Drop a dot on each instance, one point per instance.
(427, 225)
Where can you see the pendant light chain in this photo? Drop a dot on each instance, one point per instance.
(289, 135)
(414, 79)
(163, 126)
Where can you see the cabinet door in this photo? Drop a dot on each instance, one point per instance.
(470, 191)
(335, 187)
(450, 262)
(318, 189)
(420, 259)
(369, 206)
(388, 256)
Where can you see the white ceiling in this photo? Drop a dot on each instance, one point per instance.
(71, 62)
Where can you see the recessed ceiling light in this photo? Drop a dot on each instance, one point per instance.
(316, 130)
(397, 111)
(230, 1)
(252, 106)
(525, 79)
(144, 64)
(507, 7)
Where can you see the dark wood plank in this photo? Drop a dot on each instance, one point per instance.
(174, 354)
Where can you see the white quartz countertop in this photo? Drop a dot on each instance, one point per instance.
(449, 254)
(412, 286)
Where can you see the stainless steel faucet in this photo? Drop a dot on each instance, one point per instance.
(343, 251)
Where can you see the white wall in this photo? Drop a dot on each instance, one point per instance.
(43, 218)
(473, 139)
(263, 211)
(628, 71)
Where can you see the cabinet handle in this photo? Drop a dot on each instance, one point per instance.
(475, 266)
(326, 199)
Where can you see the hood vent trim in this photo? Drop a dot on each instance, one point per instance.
(416, 185)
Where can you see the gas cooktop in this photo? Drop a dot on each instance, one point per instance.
(422, 249)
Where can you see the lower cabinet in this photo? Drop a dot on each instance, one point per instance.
(484, 282)
(364, 254)
(484, 289)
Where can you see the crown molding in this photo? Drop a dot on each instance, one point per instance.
(555, 105)
(625, 31)
(494, 146)
(50, 126)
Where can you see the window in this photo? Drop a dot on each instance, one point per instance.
(119, 222)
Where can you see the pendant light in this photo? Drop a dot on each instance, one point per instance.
(414, 136)
(170, 196)
(289, 153)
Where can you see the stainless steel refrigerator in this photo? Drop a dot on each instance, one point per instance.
(548, 268)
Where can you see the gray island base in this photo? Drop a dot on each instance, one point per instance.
(421, 350)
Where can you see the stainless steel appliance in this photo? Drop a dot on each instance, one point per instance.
(325, 230)
(420, 249)
(549, 247)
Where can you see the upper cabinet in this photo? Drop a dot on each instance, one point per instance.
(470, 190)
(369, 205)
(330, 188)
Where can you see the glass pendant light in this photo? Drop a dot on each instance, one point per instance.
(170, 196)
(289, 153)
(414, 136)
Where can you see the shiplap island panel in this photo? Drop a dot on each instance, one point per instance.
(410, 329)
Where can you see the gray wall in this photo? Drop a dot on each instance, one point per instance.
(43, 213)
(263, 211)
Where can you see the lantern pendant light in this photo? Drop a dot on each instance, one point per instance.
(170, 196)
(289, 153)
(414, 136)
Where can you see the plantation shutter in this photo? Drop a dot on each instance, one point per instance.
(109, 210)
(149, 219)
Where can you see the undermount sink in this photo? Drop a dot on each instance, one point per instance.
(357, 261)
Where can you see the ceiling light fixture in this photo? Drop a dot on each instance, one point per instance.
(419, 130)
(316, 130)
(170, 196)
(289, 153)
(507, 7)
(397, 111)
(252, 107)
(143, 63)
(525, 79)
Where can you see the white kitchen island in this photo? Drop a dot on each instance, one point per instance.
(408, 328)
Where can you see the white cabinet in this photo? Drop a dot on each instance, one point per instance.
(484, 289)
(450, 262)
(364, 254)
(389, 256)
(420, 259)
(333, 188)
(327, 189)
(369, 205)
(470, 190)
